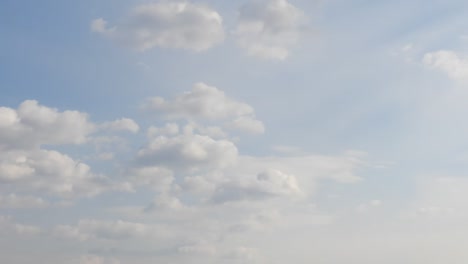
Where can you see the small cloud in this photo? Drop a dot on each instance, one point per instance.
(269, 28)
(453, 64)
(207, 103)
(123, 124)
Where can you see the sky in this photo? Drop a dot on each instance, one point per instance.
(238, 132)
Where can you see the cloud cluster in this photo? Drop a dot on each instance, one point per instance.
(207, 195)
(27, 167)
(265, 28)
(166, 24)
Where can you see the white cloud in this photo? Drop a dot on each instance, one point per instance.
(123, 124)
(270, 183)
(32, 125)
(27, 168)
(164, 201)
(188, 152)
(206, 102)
(309, 168)
(166, 24)
(16, 201)
(248, 124)
(269, 28)
(264, 178)
(449, 62)
(203, 102)
(53, 173)
(157, 178)
(169, 129)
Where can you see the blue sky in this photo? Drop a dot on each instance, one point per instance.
(256, 131)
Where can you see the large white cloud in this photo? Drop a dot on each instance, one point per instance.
(208, 198)
(269, 28)
(32, 125)
(206, 102)
(167, 24)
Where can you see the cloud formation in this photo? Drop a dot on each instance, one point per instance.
(267, 184)
(52, 173)
(33, 125)
(27, 168)
(206, 102)
(123, 124)
(188, 152)
(269, 28)
(449, 62)
(166, 24)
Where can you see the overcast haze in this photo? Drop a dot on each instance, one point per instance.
(239, 132)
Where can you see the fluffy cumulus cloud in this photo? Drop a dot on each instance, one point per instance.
(166, 24)
(27, 168)
(269, 28)
(50, 172)
(206, 102)
(32, 125)
(449, 62)
(188, 151)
